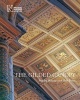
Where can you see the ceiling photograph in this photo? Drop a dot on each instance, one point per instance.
(48, 54)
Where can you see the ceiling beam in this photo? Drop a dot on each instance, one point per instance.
(66, 10)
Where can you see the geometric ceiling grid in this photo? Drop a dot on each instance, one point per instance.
(51, 45)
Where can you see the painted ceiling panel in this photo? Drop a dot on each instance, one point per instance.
(30, 7)
(62, 57)
(45, 43)
(44, 66)
(32, 34)
(61, 86)
(66, 30)
(50, 18)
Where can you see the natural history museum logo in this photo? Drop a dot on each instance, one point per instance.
(11, 8)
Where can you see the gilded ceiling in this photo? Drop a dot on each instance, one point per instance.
(51, 44)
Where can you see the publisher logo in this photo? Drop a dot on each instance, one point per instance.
(10, 8)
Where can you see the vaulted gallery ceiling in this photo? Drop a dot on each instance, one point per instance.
(51, 44)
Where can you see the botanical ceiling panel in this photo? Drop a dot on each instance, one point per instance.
(44, 66)
(26, 56)
(29, 7)
(50, 18)
(45, 43)
(61, 86)
(65, 30)
(32, 34)
(62, 57)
